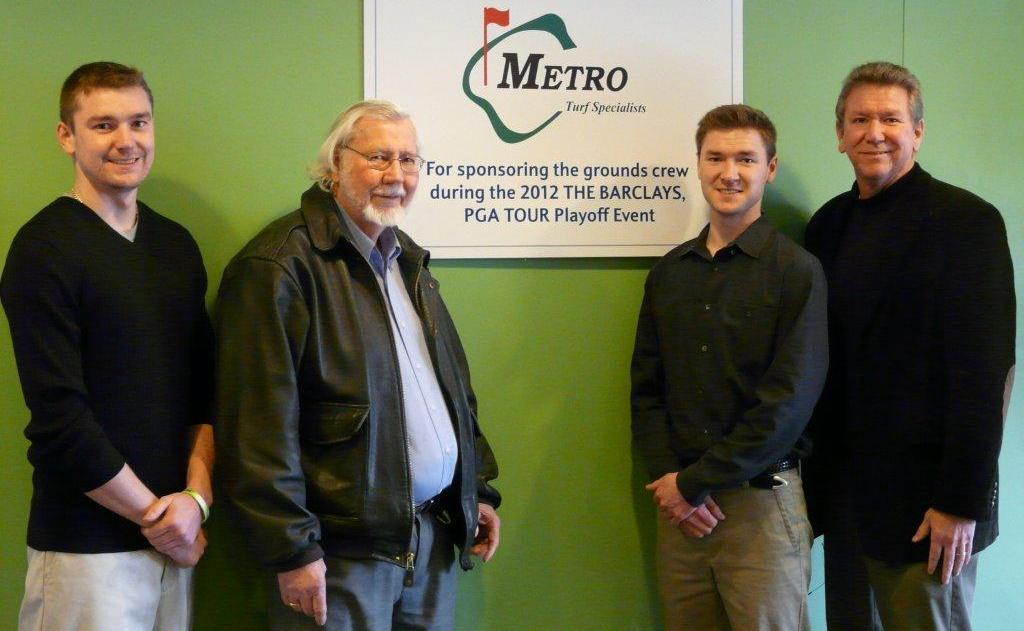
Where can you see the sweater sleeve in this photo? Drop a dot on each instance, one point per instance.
(40, 290)
(202, 360)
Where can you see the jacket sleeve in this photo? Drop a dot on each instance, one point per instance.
(785, 395)
(486, 463)
(978, 316)
(650, 423)
(41, 293)
(261, 322)
(824, 428)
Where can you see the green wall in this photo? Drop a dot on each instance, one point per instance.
(244, 93)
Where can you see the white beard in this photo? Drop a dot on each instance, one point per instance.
(387, 217)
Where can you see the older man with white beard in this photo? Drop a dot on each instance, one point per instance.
(354, 460)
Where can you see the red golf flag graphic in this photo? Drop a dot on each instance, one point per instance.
(495, 16)
(492, 16)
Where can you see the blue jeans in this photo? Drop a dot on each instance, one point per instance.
(372, 595)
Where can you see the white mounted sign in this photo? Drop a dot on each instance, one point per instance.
(555, 129)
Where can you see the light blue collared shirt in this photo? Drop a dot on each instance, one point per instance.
(433, 450)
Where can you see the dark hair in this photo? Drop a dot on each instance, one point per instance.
(98, 74)
(881, 73)
(725, 117)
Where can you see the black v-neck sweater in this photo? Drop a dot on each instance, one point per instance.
(114, 351)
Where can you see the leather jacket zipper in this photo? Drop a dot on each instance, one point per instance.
(410, 566)
(410, 556)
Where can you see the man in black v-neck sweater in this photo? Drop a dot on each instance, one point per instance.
(106, 304)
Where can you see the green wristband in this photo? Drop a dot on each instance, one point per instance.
(203, 508)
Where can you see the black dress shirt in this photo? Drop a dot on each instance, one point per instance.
(730, 357)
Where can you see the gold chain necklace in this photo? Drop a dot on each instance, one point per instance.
(73, 193)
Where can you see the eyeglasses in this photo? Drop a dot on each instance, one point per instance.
(382, 162)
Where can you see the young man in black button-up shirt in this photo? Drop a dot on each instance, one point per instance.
(730, 357)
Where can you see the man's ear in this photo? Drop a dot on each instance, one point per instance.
(66, 138)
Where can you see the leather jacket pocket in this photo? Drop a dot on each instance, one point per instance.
(331, 423)
(336, 459)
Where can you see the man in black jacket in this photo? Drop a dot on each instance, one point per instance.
(353, 456)
(922, 314)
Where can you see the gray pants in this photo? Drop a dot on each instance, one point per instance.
(371, 595)
(750, 574)
(863, 594)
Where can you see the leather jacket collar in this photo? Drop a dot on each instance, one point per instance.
(326, 229)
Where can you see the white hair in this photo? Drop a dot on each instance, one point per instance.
(325, 167)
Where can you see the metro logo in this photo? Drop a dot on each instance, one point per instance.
(553, 75)
(526, 72)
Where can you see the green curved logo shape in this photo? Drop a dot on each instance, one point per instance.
(549, 23)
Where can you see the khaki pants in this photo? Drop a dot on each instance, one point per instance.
(863, 594)
(750, 574)
(123, 591)
(910, 599)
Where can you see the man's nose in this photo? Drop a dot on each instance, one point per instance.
(730, 171)
(123, 136)
(875, 131)
(394, 172)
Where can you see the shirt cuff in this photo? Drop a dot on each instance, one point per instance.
(692, 490)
